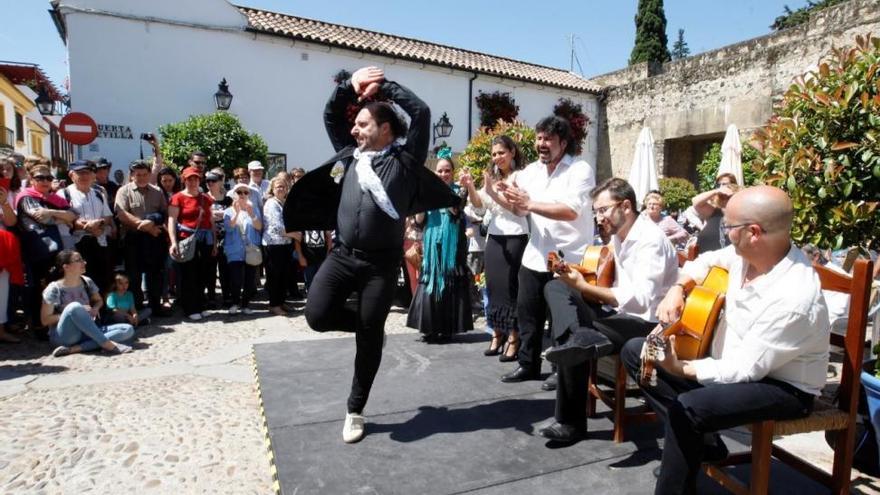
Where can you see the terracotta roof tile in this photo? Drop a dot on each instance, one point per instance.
(421, 51)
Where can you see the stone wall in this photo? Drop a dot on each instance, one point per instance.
(690, 102)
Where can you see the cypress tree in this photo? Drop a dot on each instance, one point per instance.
(651, 42)
(680, 48)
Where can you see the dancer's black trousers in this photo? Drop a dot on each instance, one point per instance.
(374, 277)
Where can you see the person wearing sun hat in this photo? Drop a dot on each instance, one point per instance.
(256, 171)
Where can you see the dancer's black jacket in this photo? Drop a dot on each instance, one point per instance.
(318, 202)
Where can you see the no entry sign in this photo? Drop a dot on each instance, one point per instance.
(78, 128)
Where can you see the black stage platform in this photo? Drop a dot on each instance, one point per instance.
(439, 421)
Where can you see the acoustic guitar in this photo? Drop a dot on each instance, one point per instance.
(693, 330)
(597, 265)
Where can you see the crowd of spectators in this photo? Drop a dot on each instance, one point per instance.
(86, 259)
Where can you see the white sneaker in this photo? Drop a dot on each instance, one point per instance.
(247, 311)
(233, 310)
(353, 429)
(195, 316)
(205, 314)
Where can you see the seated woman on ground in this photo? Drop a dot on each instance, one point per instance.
(120, 301)
(70, 305)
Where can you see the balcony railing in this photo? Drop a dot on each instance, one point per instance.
(7, 138)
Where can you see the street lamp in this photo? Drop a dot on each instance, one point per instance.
(223, 98)
(443, 128)
(44, 102)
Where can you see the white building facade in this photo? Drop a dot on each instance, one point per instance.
(137, 65)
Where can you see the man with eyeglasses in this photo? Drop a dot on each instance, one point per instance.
(554, 193)
(590, 321)
(769, 355)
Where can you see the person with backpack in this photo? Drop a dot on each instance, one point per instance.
(312, 251)
(94, 221)
(70, 305)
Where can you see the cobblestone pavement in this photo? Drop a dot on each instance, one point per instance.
(180, 414)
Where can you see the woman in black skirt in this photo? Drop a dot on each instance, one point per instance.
(442, 303)
(508, 235)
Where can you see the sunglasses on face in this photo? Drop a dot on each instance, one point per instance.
(42, 178)
(242, 193)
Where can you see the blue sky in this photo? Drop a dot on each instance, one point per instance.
(533, 31)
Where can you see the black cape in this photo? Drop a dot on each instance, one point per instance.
(313, 201)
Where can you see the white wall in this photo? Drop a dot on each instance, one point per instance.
(145, 74)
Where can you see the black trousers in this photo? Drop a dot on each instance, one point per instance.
(531, 313)
(572, 317)
(278, 266)
(145, 255)
(98, 261)
(194, 275)
(242, 282)
(374, 279)
(216, 264)
(690, 410)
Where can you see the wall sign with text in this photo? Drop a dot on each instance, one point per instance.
(114, 131)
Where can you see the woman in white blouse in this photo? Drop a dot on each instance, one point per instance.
(507, 238)
(279, 250)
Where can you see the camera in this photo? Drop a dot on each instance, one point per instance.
(148, 136)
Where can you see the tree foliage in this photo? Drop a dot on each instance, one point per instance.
(680, 48)
(477, 155)
(677, 193)
(707, 170)
(792, 18)
(651, 41)
(823, 148)
(219, 135)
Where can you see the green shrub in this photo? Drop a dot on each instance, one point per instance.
(677, 193)
(219, 135)
(707, 169)
(823, 148)
(477, 155)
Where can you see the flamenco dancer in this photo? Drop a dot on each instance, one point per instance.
(376, 179)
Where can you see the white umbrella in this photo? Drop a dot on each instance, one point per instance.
(643, 172)
(731, 155)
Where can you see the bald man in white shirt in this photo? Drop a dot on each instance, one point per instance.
(769, 355)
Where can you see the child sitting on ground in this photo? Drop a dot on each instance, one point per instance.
(120, 301)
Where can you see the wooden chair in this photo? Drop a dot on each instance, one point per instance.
(616, 400)
(839, 418)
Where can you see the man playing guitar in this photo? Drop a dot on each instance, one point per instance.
(770, 352)
(590, 321)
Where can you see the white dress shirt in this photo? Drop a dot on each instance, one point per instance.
(777, 326)
(502, 221)
(645, 267)
(569, 185)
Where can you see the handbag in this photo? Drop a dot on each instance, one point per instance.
(413, 255)
(253, 255)
(186, 248)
